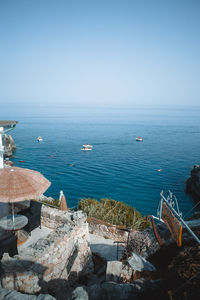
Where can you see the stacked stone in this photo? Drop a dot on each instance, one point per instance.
(108, 231)
(60, 257)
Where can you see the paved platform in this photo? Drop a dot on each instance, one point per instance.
(106, 248)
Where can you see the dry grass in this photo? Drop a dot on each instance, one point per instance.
(53, 203)
(110, 211)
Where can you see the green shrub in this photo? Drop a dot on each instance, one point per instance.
(113, 212)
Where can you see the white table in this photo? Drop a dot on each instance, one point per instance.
(19, 222)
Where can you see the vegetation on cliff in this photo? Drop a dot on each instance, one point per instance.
(113, 212)
(52, 202)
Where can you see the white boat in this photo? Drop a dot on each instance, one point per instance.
(40, 139)
(139, 139)
(87, 147)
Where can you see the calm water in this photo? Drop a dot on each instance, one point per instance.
(118, 167)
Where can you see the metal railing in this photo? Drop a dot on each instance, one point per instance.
(172, 203)
(128, 229)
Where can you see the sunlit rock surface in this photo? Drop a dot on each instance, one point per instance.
(9, 145)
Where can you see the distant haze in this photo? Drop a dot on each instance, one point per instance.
(100, 53)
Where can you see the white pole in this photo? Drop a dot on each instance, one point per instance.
(3, 206)
(1, 149)
(13, 216)
(60, 197)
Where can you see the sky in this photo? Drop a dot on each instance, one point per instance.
(100, 53)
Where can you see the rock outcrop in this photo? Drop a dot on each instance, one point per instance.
(145, 243)
(9, 145)
(193, 183)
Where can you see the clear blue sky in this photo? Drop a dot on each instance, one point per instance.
(100, 52)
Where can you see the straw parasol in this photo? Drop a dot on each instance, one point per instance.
(19, 184)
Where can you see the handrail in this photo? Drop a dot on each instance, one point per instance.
(171, 204)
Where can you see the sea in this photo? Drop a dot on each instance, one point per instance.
(118, 167)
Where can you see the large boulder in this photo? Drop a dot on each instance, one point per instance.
(116, 271)
(80, 293)
(113, 270)
(139, 263)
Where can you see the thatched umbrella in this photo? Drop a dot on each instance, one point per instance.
(19, 184)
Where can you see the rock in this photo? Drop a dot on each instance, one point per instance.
(45, 297)
(95, 292)
(43, 197)
(113, 291)
(13, 295)
(148, 288)
(126, 274)
(193, 183)
(8, 163)
(145, 243)
(118, 272)
(77, 215)
(138, 263)
(117, 291)
(6, 294)
(113, 270)
(9, 145)
(80, 293)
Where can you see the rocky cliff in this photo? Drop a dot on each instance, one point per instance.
(193, 183)
(9, 145)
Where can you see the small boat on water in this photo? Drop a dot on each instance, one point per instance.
(39, 139)
(139, 139)
(87, 147)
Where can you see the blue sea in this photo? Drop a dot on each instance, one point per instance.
(118, 167)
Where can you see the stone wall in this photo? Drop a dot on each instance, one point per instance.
(54, 261)
(106, 230)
